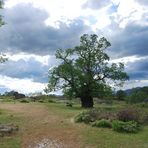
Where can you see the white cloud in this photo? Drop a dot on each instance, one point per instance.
(129, 11)
(22, 85)
(58, 10)
(66, 10)
(128, 59)
(45, 60)
(134, 84)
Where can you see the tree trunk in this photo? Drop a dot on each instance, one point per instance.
(87, 102)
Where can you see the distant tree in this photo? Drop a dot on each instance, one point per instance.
(120, 95)
(137, 97)
(145, 89)
(15, 94)
(84, 71)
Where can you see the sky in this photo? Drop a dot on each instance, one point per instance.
(35, 29)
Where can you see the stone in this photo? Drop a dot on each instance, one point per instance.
(6, 129)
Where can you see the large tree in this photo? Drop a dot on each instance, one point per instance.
(85, 71)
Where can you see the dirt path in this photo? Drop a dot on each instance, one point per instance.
(41, 128)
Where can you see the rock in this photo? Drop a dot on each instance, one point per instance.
(1, 126)
(6, 129)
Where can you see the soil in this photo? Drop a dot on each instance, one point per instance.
(41, 128)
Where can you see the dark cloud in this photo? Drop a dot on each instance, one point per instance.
(26, 31)
(132, 40)
(30, 68)
(138, 70)
(96, 4)
(143, 2)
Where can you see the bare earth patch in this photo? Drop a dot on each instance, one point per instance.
(47, 143)
(42, 128)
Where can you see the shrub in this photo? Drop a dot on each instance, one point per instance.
(42, 98)
(129, 127)
(50, 101)
(41, 101)
(95, 114)
(69, 104)
(24, 101)
(102, 123)
(87, 118)
(128, 114)
(83, 117)
(133, 114)
(105, 113)
(78, 118)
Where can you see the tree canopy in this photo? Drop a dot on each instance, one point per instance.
(85, 71)
(120, 95)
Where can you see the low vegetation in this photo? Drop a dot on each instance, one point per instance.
(120, 119)
(129, 126)
(102, 123)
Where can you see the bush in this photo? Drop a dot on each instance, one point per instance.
(133, 114)
(102, 123)
(41, 101)
(96, 114)
(50, 101)
(69, 104)
(105, 113)
(83, 117)
(24, 101)
(78, 118)
(128, 114)
(129, 127)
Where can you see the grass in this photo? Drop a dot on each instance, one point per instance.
(88, 136)
(106, 138)
(7, 117)
(100, 137)
(9, 141)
